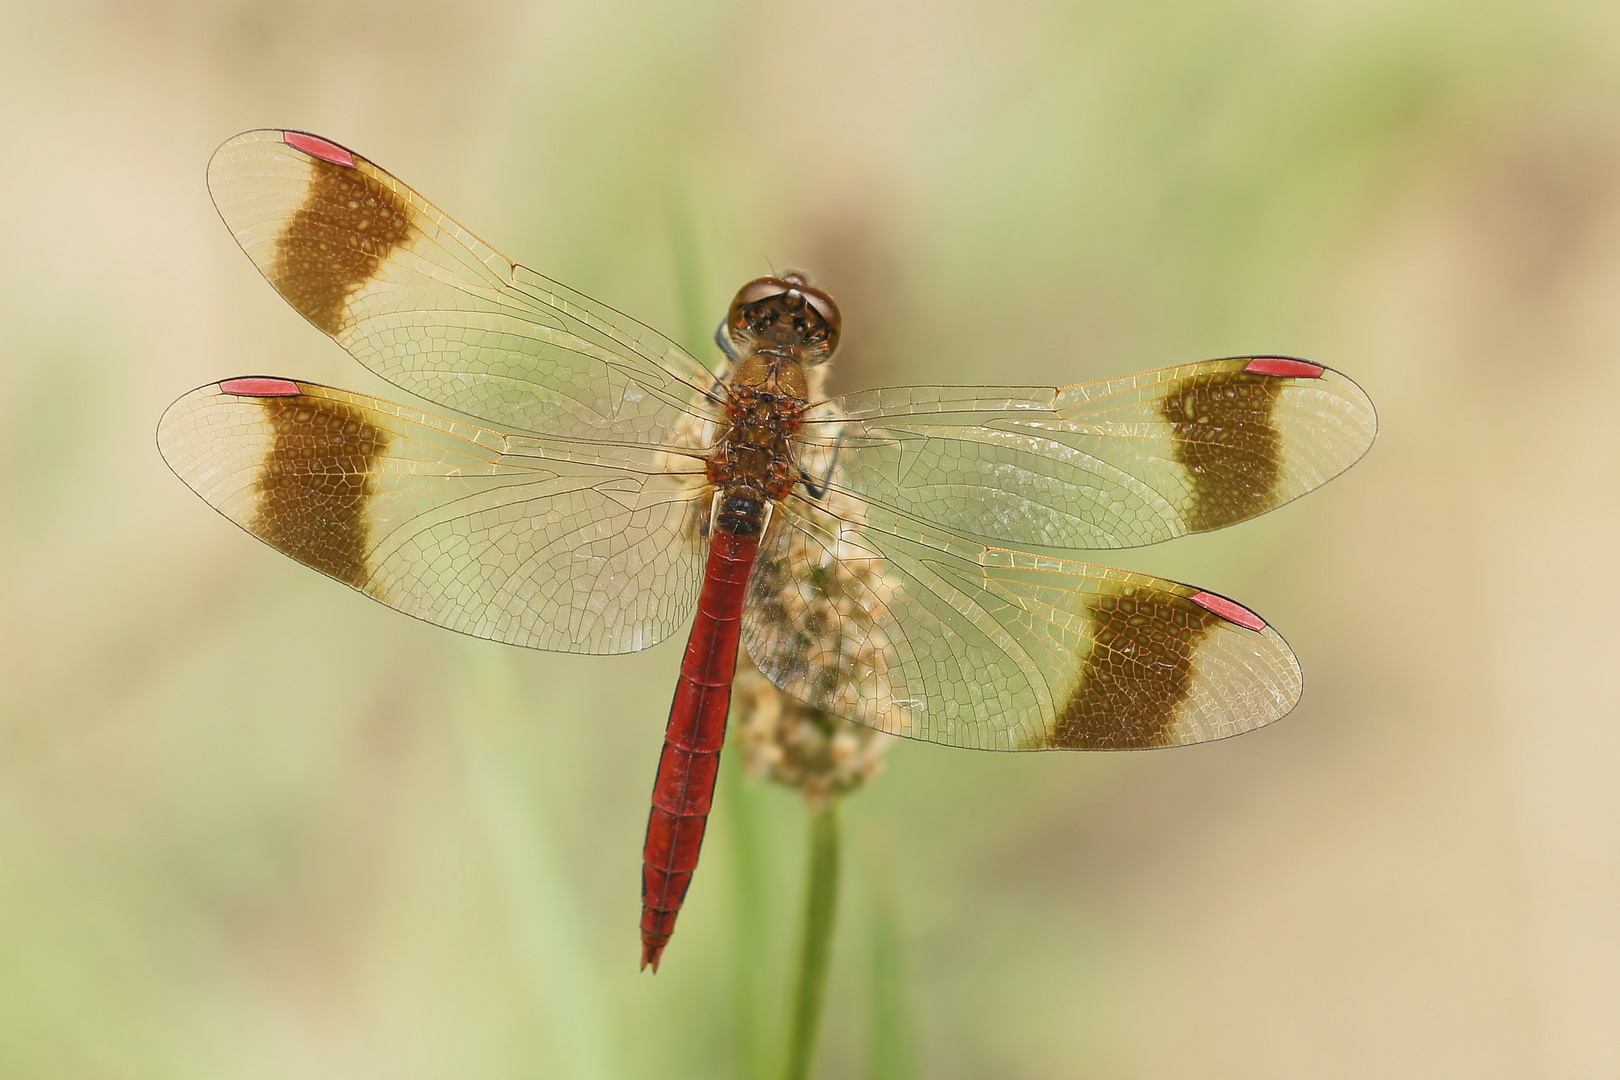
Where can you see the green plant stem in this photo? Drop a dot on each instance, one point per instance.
(697, 320)
(815, 947)
(890, 1047)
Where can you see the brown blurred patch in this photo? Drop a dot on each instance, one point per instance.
(852, 250)
(1531, 215)
(1541, 199)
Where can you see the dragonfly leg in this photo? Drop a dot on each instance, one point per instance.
(714, 512)
(819, 492)
(727, 346)
(716, 392)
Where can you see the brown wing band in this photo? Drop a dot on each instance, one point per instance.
(1139, 671)
(316, 482)
(336, 241)
(1225, 439)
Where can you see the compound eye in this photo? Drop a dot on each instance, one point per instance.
(752, 293)
(826, 308)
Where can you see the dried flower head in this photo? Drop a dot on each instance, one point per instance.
(811, 597)
(795, 744)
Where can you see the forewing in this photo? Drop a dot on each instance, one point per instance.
(535, 541)
(436, 311)
(918, 633)
(1101, 465)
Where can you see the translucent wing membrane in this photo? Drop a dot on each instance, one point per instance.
(436, 311)
(1101, 465)
(569, 515)
(550, 543)
(919, 633)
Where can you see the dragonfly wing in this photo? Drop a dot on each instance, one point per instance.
(919, 633)
(1112, 464)
(548, 543)
(433, 309)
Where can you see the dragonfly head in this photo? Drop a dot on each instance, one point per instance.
(787, 312)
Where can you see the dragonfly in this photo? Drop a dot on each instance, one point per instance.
(895, 556)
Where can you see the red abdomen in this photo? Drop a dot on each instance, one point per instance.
(693, 740)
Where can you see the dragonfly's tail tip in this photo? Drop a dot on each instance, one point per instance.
(650, 956)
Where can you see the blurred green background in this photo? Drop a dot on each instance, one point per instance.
(254, 825)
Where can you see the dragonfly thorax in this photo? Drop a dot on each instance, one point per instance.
(755, 459)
